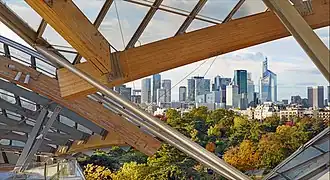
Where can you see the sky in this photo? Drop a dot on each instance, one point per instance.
(295, 70)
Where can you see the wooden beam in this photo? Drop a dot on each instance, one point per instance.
(84, 107)
(67, 19)
(191, 47)
(94, 142)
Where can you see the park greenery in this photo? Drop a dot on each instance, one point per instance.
(246, 144)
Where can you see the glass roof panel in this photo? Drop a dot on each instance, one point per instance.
(25, 12)
(162, 25)
(198, 24)
(90, 8)
(250, 7)
(55, 39)
(186, 5)
(218, 9)
(130, 16)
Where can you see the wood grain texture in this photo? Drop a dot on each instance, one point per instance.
(191, 47)
(67, 19)
(83, 106)
(94, 142)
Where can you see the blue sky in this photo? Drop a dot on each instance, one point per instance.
(294, 68)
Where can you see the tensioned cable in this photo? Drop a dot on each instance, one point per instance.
(119, 23)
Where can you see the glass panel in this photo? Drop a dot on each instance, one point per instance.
(130, 16)
(218, 9)
(182, 5)
(67, 121)
(25, 12)
(84, 129)
(4, 142)
(90, 8)
(250, 7)
(55, 39)
(7, 96)
(162, 25)
(198, 24)
(28, 105)
(19, 55)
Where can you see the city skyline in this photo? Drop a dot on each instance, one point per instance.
(287, 59)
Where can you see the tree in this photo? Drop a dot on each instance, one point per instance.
(96, 172)
(244, 157)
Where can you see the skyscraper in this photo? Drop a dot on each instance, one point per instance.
(197, 86)
(240, 80)
(166, 84)
(191, 90)
(232, 97)
(182, 93)
(250, 88)
(156, 79)
(146, 90)
(268, 84)
(202, 86)
(315, 96)
(161, 96)
(220, 83)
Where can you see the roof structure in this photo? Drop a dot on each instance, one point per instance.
(43, 99)
(310, 161)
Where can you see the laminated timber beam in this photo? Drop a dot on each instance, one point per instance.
(67, 19)
(84, 107)
(191, 47)
(94, 142)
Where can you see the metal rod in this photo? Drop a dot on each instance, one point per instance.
(184, 144)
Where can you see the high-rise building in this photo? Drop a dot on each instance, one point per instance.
(146, 90)
(240, 80)
(315, 96)
(232, 97)
(156, 79)
(136, 97)
(182, 93)
(220, 83)
(191, 90)
(268, 84)
(161, 96)
(197, 86)
(250, 88)
(124, 91)
(202, 86)
(166, 84)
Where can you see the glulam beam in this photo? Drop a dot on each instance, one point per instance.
(67, 19)
(89, 109)
(191, 47)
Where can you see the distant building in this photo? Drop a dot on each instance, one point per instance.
(268, 84)
(136, 97)
(232, 96)
(182, 94)
(240, 80)
(146, 90)
(124, 91)
(250, 88)
(267, 109)
(290, 113)
(161, 96)
(197, 86)
(220, 83)
(191, 90)
(315, 97)
(166, 84)
(156, 79)
(285, 101)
